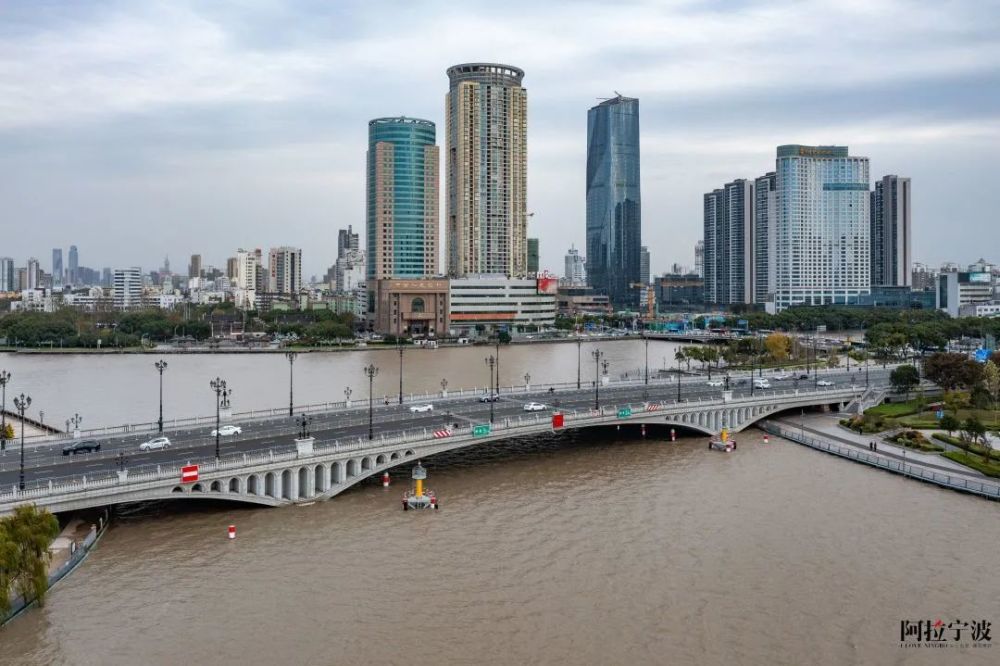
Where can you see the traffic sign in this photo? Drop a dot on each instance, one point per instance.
(624, 412)
(557, 420)
(939, 414)
(189, 474)
(481, 430)
(821, 328)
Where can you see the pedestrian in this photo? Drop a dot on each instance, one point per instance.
(875, 445)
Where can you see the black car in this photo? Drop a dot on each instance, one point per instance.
(83, 446)
(805, 376)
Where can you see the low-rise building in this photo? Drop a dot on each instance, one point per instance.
(573, 300)
(980, 310)
(412, 308)
(679, 292)
(496, 301)
(956, 289)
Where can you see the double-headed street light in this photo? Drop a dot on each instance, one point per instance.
(370, 372)
(579, 344)
(160, 366)
(347, 396)
(222, 393)
(4, 378)
(491, 361)
(527, 381)
(21, 404)
(74, 421)
(291, 356)
(400, 348)
(597, 354)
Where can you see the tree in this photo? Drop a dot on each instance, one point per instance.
(904, 378)
(779, 346)
(24, 541)
(973, 429)
(949, 424)
(991, 382)
(951, 371)
(833, 361)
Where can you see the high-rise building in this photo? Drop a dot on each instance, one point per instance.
(402, 200)
(127, 286)
(890, 232)
(486, 112)
(614, 206)
(231, 267)
(347, 240)
(74, 266)
(823, 253)
(576, 275)
(764, 226)
(922, 278)
(33, 274)
(699, 258)
(285, 270)
(194, 268)
(57, 267)
(644, 264)
(729, 244)
(532, 256)
(107, 280)
(8, 276)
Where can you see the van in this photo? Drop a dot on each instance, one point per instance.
(761, 383)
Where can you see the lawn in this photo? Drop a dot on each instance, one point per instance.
(975, 462)
(896, 409)
(928, 420)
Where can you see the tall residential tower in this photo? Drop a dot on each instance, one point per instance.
(890, 232)
(486, 113)
(614, 206)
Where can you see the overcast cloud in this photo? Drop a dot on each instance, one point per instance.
(139, 129)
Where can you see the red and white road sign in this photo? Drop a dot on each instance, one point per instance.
(652, 406)
(440, 434)
(189, 474)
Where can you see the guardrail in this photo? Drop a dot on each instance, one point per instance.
(987, 489)
(145, 477)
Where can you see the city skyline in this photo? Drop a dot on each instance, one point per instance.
(175, 161)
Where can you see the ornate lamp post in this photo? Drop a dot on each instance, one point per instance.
(74, 421)
(291, 356)
(370, 372)
(21, 404)
(579, 344)
(491, 361)
(222, 393)
(160, 366)
(400, 348)
(347, 396)
(646, 340)
(678, 379)
(4, 378)
(597, 354)
(444, 388)
(303, 422)
(527, 381)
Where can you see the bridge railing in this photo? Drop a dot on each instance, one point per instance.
(138, 478)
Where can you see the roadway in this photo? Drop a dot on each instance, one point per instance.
(45, 461)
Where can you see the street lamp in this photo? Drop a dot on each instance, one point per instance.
(303, 422)
(347, 396)
(160, 366)
(75, 421)
(21, 404)
(222, 393)
(444, 387)
(647, 361)
(291, 361)
(491, 361)
(370, 372)
(498, 365)
(121, 460)
(527, 381)
(4, 378)
(579, 344)
(399, 346)
(678, 379)
(597, 354)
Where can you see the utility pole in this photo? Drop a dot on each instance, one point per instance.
(291, 361)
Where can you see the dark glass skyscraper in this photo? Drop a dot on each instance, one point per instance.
(614, 207)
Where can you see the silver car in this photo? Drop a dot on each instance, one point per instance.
(155, 444)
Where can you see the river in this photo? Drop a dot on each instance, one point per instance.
(109, 389)
(579, 549)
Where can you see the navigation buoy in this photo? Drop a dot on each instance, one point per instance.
(434, 502)
(232, 531)
(673, 435)
(643, 429)
(765, 438)
(385, 480)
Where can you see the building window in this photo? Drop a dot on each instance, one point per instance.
(417, 305)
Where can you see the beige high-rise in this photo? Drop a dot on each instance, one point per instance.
(487, 151)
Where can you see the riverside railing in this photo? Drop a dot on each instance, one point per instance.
(916, 471)
(152, 476)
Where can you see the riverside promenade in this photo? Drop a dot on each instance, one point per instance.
(823, 433)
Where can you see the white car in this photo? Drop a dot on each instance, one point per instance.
(534, 407)
(781, 377)
(824, 382)
(421, 408)
(715, 382)
(155, 444)
(228, 430)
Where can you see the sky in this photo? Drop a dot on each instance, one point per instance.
(136, 130)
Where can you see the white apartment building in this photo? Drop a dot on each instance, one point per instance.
(127, 286)
(496, 301)
(823, 253)
(285, 270)
(576, 272)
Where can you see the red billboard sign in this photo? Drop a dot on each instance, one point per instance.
(548, 285)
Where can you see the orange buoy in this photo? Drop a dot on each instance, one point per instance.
(385, 480)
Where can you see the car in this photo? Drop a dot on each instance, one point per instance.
(804, 375)
(781, 377)
(715, 382)
(228, 430)
(534, 407)
(82, 446)
(421, 408)
(824, 382)
(761, 383)
(155, 444)
(489, 397)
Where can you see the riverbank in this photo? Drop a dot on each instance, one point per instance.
(74, 543)
(820, 433)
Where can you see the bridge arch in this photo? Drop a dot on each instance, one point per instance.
(320, 479)
(352, 468)
(366, 464)
(197, 488)
(216, 486)
(303, 483)
(252, 485)
(236, 485)
(286, 484)
(269, 490)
